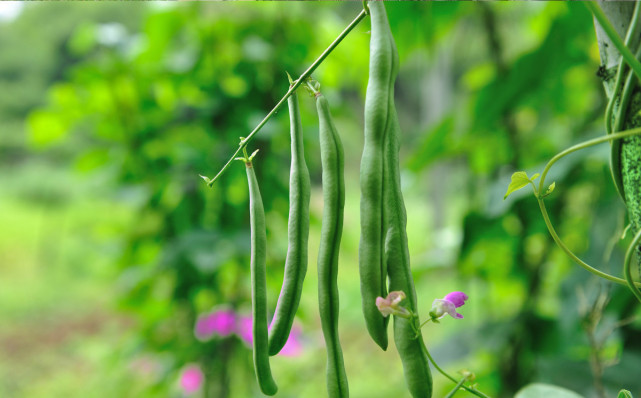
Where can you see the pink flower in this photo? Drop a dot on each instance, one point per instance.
(448, 305)
(225, 322)
(244, 329)
(191, 379)
(293, 346)
(220, 322)
(390, 305)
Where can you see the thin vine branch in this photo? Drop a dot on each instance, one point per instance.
(292, 88)
(456, 388)
(627, 270)
(546, 217)
(468, 389)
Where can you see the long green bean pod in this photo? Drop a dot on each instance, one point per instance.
(383, 67)
(408, 342)
(331, 231)
(297, 235)
(258, 282)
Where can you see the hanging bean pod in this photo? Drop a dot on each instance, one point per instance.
(297, 235)
(258, 283)
(331, 231)
(408, 342)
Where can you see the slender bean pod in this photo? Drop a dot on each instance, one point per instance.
(258, 283)
(331, 231)
(297, 234)
(408, 342)
(383, 67)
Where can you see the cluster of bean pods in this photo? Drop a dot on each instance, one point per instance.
(383, 250)
(269, 341)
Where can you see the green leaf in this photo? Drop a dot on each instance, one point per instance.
(519, 180)
(539, 390)
(624, 394)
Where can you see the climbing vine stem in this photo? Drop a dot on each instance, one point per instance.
(628, 281)
(459, 383)
(627, 270)
(289, 92)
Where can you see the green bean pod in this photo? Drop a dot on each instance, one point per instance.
(297, 235)
(410, 347)
(258, 284)
(331, 231)
(383, 67)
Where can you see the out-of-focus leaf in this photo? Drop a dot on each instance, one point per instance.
(46, 128)
(83, 39)
(539, 390)
(436, 145)
(624, 394)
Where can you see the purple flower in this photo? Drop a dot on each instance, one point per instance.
(457, 298)
(448, 305)
(390, 305)
(191, 379)
(220, 322)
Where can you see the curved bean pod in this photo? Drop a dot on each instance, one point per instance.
(297, 234)
(258, 284)
(383, 67)
(410, 347)
(331, 231)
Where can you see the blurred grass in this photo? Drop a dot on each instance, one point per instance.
(58, 324)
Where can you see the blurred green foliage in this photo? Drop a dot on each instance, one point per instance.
(124, 105)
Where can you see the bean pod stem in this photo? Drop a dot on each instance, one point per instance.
(298, 234)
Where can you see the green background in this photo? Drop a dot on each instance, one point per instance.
(111, 245)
